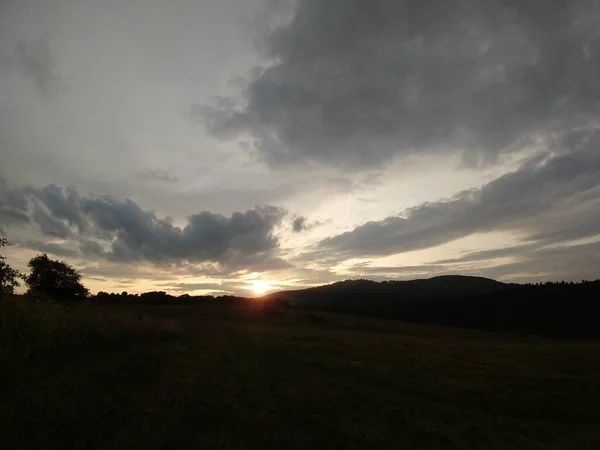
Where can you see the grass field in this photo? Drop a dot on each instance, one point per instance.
(193, 377)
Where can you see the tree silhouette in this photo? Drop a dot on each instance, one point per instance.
(9, 277)
(55, 278)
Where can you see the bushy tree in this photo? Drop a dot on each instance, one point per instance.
(9, 277)
(56, 279)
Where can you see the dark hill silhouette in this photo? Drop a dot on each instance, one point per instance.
(554, 309)
(344, 293)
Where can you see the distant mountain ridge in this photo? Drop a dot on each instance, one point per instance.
(444, 286)
(552, 309)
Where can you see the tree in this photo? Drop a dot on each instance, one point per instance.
(9, 277)
(55, 278)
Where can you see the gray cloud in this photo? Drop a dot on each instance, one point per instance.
(50, 225)
(529, 263)
(483, 255)
(141, 235)
(545, 202)
(128, 273)
(13, 205)
(62, 203)
(354, 83)
(570, 263)
(190, 287)
(35, 61)
(299, 224)
(49, 247)
(159, 175)
(12, 215)
(88, 247)
(120, 230)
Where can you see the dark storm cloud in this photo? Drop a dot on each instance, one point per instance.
(62, 203)
(50, 225)
(52, 208)
(141, 235)
(120, 230)
(356, 82)
(546, 202)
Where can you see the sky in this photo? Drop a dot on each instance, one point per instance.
(204, 147)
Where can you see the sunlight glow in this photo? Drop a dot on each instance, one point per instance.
(259, 286)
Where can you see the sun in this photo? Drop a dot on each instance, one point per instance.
(260, 286)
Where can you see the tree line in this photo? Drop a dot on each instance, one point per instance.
(50, 277)
(156, 298)
(60, 281)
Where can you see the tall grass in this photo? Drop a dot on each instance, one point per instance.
(19, 323)
(34, 332)
(83, 376)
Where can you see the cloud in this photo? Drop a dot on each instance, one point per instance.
(520, 263)
(191, 287)
(89, 247)
(538, 263)
(52, 248)
(121, 231)
(34, 60)
(159, 175)
(50, 225)
(61, 203)
(141, 235)
(555, 200)
(13, 205)
(356, 83)
(299, 224)
(483, 255)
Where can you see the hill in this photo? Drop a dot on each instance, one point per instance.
(446, 286)
(554, 309)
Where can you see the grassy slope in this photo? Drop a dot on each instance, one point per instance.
(100, 378)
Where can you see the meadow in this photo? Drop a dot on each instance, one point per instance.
(223, 377)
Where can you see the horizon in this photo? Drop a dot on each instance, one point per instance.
(269, 293)
(257, 146)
